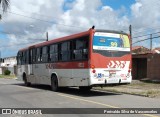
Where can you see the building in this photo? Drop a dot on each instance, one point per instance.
(140, 50)
(146, 64)
(9, 63)
(156, 51)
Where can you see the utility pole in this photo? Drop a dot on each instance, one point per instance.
(130, 32)
(150, 42)
(0, 59)
(46, 36)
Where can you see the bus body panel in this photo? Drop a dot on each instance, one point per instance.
(66, 77)
(110, 58)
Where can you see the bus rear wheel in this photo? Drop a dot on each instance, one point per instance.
(85, 88)
(54, 83)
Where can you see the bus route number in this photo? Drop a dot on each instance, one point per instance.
(114, 44)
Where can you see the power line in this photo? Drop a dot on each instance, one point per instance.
(52, 22)
(21, 44)
(143, 30)
(145, 35)
(5, 32)
(40, 14)
(9, 33)
(145, 39)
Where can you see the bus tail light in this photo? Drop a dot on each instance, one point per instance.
(92, 66)
(129, 71)
(93, 71)
(128, 74)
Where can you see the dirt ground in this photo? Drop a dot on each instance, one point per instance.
(142, 88)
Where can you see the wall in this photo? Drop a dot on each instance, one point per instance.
(9, 63)
(153, 63)
(146, 66)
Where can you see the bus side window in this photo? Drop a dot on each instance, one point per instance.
(33, 55)
(65, 51)
(56, 52)
(39, 54)
(44, 54)
(73, 49)
(59, 52)
(48, 53)
(53, 53)
(19, 58)
(80, 50)
(23, 58)
(27, 57)
(85, 48)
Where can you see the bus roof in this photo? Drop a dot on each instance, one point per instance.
(111, 31)
(63, 38)
(58, 40)
(71, 37)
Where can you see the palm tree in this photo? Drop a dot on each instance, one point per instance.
(5, 5)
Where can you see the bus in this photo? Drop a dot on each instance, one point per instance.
(86, 59)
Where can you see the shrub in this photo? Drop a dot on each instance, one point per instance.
(7, 72)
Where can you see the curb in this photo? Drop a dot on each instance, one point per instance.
(123, 93)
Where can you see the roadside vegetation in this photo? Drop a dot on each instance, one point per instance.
(147, 89)
(7, 74)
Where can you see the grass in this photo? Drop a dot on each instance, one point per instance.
(148, 89)
(152, 93)
(7, 76)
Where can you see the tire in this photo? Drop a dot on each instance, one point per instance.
(54, 83)
(25, 81)
(85, 88)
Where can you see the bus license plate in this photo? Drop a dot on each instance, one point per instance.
(112, 74)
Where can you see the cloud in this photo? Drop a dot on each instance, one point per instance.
(80, 16)
(145, 19)
(28, 29)
(63, 17)
(136, 8)
(107, 8)
(145, 13)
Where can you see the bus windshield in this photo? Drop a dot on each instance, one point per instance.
(111, 41)
(111, 44)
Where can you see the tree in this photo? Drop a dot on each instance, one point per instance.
(5, 5)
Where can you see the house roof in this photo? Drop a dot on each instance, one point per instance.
(137, 47)
(156, 50)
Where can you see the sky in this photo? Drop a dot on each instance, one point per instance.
(26, 23)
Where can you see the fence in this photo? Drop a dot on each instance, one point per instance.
(12, 69)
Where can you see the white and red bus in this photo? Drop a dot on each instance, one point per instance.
(86, 59)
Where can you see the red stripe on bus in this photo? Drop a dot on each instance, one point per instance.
(68, 65)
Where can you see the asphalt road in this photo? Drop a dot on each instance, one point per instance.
(13, 94)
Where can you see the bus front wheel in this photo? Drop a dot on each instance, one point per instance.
(25, 80)
(54, 83)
